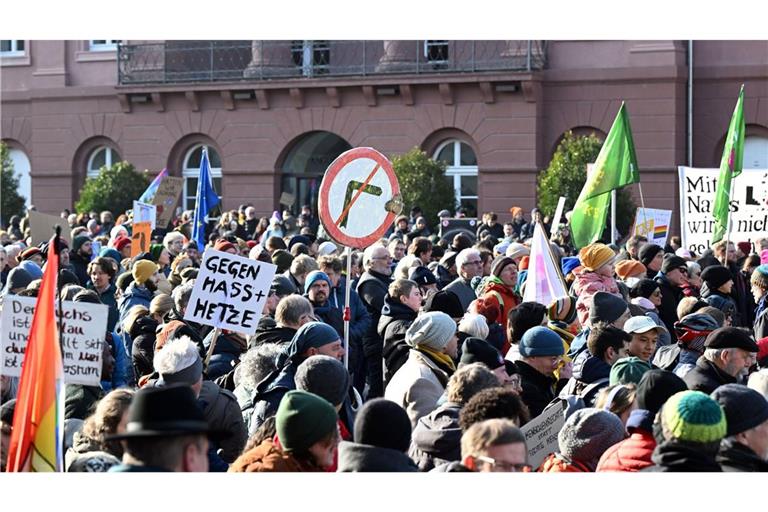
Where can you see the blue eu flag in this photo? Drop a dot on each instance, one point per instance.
(206, 199)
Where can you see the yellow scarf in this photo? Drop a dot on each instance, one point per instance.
(442, 357)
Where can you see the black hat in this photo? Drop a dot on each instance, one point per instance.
(731, 337)
(648, 252)
(444, 301)
(422, 276)
(384, 424)
(643, 288)
(448, 259)
(477, 350)
(744, 407)
(671, 262)
(526, 316)
(716, 276)
(282, 286)
(164, 411)
(606, 307)
(655, 388)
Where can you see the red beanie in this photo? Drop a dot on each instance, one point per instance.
(223, 246)
(121, 242)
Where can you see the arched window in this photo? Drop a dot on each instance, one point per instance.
(21, 168)
(461, 169)
(755, 152)
(191, 170)
(100, 157)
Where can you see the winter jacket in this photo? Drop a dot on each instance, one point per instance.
(80, 401)
(372, 289)
(360, 318)
(395, 319)
(329, 315)
(496, 231)
(538, 389)
(122, 371)
(80, 268)
(270, 458)
(463, 291)
(590, 375)
(557, 463)
(707, 377)
(135, 295)
(734, 456)
(109, 300)
(634, 453)
(143, 352)
(670, 297)
(437, 437)
(417, 386)
(274, 334)
(760, 326)
(223, 414)
(86, 452)
(586, 285)
(496, 293)
(226, 353)
(722, 302)
(678, 457)
(356, 457)
(267, 395)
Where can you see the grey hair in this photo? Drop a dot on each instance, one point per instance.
(256, 364)
(759, 382)
(713, 354)
(369, 254)
(474, 325)
(171, 237)
(693, 267)
(464, 255)
(405, 265)
(176, 355)
(181, 295)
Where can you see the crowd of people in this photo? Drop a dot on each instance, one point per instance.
(658, 356)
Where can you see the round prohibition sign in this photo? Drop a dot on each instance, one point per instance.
(359, 197)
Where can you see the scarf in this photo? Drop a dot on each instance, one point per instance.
(441, 359)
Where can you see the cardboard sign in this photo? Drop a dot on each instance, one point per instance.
(166, 197)
(654, 224)
(82, 336)
(541, 433)
(230, 292)
(41, 226)
(287, 199)
(140, 238)
(749, 206)
(143, 212)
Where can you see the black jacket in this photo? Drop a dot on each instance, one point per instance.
(273, 334)
(395, 319)
(735, 456)
(372, 289)
(670, 297)
(80, 401)
(356, 457)
(226, 354)
(80, 268)
(143, 339)
(538, 389)
(329, 315)
(437, 437)
(679, 457)
(707, 377)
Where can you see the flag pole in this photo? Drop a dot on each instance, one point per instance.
(728, 225)
(613, 216)
(60, 431)
(642, 205)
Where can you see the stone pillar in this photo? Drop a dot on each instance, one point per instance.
(270, 59)
(400, 57)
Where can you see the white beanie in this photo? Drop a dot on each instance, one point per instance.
(434, 330)
(326, 248)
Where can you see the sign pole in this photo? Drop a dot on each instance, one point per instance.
(347, 310)
(728, 226)
(216, 333)
(642, 203)
(613, 216)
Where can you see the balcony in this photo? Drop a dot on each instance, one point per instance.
(176, 62)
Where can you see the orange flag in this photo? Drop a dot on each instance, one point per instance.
(36, 441)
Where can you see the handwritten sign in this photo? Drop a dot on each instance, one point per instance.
(140, 239)
(654, 224)
(83, 329)
(166, 197)
(541, 433)
(143, 212)
(230, 292)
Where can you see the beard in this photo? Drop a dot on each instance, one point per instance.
(149, 285)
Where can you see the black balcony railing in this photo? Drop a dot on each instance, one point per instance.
(211, 61)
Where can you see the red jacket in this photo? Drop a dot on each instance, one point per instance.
(509, 301)
(631, 454)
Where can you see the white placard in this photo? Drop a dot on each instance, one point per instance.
(749, 206)
(83, 329)
(230, 292)
(541, 434)
(558, 215)
(654, 224)
(143, 212)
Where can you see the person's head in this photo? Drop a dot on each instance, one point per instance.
(165, 429)
(425, 279)
(588, 433)
(476, 350)
(750, 263)
(179, 362)
(542, 349)
(293, 311)
(598, 258)
(759, 282)
(469, 264)
(421, 247)
(307, 427)
(324, 376)
(435, 331)
(759, 382)
(689, 305)
(652, 256)
(746, 414)
(694, 274)
(445, 302)
(505, 269)
(718, 279)
(607, 342)
(317, 286)
(101, 271)
(719, 250)
(145, 274)
(332, 266)
(475, 325)
(523, 318)
(406, 292)
(645, 335)
(517, 252)
(630, 270)
(494, 445)
(633, 245)
(396, 249)
(315, 338)
(81, 245)
(160, 306)
(384, 424)
(376, 258)
(675, 269)
(110, 417)
(693, 418)
(181, 295)
(655, 388)
(401, 222)
(173, 242)
(608, 308)
(620, 399)
(302, 265)
(628, 370)
(731, 349)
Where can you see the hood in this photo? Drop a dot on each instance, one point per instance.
(134, 290)
(394, 310)
(439, 433)
(145, 325)
(588, 368)
(275, 335)
(356, 457)
(677, 456)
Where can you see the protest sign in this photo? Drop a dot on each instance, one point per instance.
(558, 215)
(749, 206)
(140, 238)
(166, 197)
(83, 328)
(654, 224)
(230, 292)
(541, 433)
(143, 212)
(41, 226)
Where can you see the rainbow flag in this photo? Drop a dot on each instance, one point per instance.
(659, 232)
(38, 421)
(149, 194)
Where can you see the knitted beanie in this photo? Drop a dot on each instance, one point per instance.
(315, 276)
(628, 370)
(745, 247)
(627, 268)
(594, 256)
(106, 252)
(477, 350)
(497, 267)
(562, 309)
(693, 416)
(647, 252)
(143, 270)
(524, 317)
(671, 262)
(120, 243)
(643, 288)
(445, 302)
(716, 276)
(303, 419)
(744, 407)
(324, 376)
(17, 278)
(655, 388)
(384, 424)
(760, 273)
(541, 341)
(433, 330)
(78, 242)
(223, 245)
(588, 433)
(422, 276)
(568, 264)
(282, 259)
(606, 307)
(155, 250)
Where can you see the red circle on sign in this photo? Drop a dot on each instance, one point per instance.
(323, 201)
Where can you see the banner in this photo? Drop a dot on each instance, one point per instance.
(230, 292)
(166, 197)
(143, 212)
(140, 238)
(749, 210)
(654, 224)
(82, 334)
(41, 227)
(541, 433)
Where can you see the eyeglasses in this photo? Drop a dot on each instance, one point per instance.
(501, 466)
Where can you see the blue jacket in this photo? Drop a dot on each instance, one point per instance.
(360, 319)
(225, 356)
(134, 295)
(122, 374)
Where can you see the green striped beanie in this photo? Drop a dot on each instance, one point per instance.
(693, 416)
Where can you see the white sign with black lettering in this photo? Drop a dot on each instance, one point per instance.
(541, 434)
(83, 329)
(230, 292)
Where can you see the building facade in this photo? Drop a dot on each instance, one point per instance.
(274, 114)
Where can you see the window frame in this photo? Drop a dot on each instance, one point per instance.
(188, 172)
(14, 51)
(458, 171)
(109, 45)
(758, 142)
(109, 160)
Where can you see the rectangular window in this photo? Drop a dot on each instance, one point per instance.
(190, 190)
(311, 57)
(436, 52)
(103, 45)
(9, 47)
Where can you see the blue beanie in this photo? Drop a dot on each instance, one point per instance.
(540, 341)
(568, 264)
(314, 277)
(32, 268)
(108, 252)
(311, 335)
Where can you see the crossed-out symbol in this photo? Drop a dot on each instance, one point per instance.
(350, 199)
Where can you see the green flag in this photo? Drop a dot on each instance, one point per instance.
(615, 167)
(730, 166)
